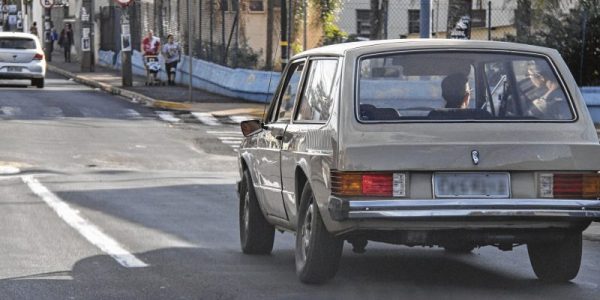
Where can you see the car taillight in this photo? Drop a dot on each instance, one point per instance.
(38, 56)
(569, 186)
(369, 184)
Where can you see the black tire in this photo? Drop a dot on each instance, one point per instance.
(38, 82)
(459, 248)
(556, 261)
(256, 234)
(318, 252)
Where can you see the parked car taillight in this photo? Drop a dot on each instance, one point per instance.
(39, 56)
(569, 186)
(370, 184)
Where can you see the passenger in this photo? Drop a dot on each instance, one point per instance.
(455, 90)
(552, 104)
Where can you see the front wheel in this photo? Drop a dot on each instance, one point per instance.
(38, 82)
(256, 234)
(318, 252)
(556, 261)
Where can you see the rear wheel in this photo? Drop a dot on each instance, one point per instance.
(256, 234)
(38, 82)
(318, 252)
(556, 261)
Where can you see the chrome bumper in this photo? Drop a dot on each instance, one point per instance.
(343, 209)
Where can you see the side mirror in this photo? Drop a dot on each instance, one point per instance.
(251, 127)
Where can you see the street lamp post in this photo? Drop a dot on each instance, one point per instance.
(126, 72)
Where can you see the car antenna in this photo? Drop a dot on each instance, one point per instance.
(269, 86)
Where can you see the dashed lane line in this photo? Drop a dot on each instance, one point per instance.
(88, 230)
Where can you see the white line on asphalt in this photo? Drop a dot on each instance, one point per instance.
(240, 119)
(206, 118)
(88, 230)
(231, 138)
(11, 110)
(224, 132)
(53, 112)
(230, 142)
(168, 116)
(131, 113)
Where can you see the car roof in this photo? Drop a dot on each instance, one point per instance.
(17, 34)
(374, 46)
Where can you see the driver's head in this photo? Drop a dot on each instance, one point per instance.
(455, 90)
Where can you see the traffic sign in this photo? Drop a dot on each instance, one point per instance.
(124, 3)
(47, 3)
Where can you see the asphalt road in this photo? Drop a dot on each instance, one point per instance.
(101, 199)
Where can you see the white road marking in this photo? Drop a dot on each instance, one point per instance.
(225, 132)
(168, 116)
(131, 113)
(11, 110)
(230, 142)
(231, 138)
(206, 118)
(53, 112)
(240, 119)
(9, 170)
(89, 112)
(88, 230)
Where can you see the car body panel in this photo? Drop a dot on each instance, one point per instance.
(20, 63)
(343, 143)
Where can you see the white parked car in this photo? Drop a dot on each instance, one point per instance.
(22, 57)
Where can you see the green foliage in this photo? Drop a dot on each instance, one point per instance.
(332, 34)
(564, 32)
(243, 57)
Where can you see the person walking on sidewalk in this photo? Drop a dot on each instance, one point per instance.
(33, 29)
(66, 41)
(172, 53)
(150, 44)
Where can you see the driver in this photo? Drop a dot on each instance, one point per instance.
(552, 103)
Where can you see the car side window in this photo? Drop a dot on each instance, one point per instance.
(317, 98)
(289, 93)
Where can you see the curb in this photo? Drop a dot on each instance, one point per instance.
(133, 97)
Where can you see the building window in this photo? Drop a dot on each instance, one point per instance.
(256, 5)
(363, 24)
(413, 21)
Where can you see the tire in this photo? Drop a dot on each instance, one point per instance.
(556, 261)
(459, 248)
(256, 234)
(318, 252)
(38, 82)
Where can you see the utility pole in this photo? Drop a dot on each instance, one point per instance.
(47, 5)
(284, 35)
(425, 19)
(126, 73)
(190, 48)
(87, 42)
(269, 52)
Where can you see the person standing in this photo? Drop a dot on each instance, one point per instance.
(172, 53)
(33, 29)
(66, 41)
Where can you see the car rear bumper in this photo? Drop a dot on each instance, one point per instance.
(466, 209)
(34, 69)
(20, 75)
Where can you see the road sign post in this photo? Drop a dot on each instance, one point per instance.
(87, 37)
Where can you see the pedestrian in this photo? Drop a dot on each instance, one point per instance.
(151, 44)
(172, 53)
(33, 29)
(65, 41)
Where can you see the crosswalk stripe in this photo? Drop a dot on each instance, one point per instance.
(53, 112)
(230, 142)
(168, 116)
(206, 118)
(131, 113)
(225, 132)
(11, 110)
(240, 119)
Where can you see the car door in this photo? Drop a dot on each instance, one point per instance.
(268, 158)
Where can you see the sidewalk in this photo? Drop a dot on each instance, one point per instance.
(163, 97)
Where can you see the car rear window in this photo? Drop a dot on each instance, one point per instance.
(17, 43)
(474, 86)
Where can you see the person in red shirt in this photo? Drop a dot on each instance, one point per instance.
(150, 44)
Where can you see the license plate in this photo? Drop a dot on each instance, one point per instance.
(471, 185)
(14, 69)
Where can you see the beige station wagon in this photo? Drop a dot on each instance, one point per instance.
(456, 144)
